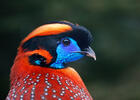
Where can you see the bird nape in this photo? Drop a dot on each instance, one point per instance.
(39, 71)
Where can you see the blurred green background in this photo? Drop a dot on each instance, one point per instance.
(115, 25)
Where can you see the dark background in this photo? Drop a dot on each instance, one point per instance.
(115, 25)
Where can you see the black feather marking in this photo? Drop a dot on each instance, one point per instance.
(37, 59)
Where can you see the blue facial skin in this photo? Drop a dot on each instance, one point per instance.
(65, 53)
(37, 62)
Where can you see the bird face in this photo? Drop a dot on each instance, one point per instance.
(66, 52)
(64, 42)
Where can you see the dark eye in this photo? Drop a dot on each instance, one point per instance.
(37, 59)
(66, 42)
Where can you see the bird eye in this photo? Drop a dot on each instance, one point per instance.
(66, 42)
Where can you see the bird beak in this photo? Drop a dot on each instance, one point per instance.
(88, 52)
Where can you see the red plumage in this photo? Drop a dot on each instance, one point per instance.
(60, 84)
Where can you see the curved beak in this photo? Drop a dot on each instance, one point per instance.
(88, 52)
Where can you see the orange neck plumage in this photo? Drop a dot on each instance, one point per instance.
(25, 69)
(48, 83)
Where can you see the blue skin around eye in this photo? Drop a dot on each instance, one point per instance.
(65, 54)
(38, 62)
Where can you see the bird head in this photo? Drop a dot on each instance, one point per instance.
(55, 44)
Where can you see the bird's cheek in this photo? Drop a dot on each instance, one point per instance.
(76, 56)
(72, 48)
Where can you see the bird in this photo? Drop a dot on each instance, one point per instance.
(40, 70)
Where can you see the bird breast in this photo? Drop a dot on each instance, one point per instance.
(49, 86)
